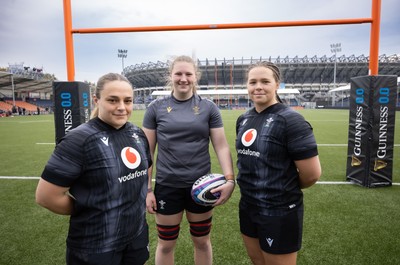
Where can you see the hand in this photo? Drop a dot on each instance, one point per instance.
(226, 191)
(151, 203)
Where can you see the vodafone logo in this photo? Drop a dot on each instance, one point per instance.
(130, 157)
(249, 137)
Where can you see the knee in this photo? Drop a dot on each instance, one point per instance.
(201, 228)
(200, 232)
(202, 244)
(166, 247)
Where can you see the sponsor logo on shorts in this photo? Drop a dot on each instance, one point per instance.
(270, 241)
(162, 204)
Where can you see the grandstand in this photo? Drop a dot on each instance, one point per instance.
(20, 78)
(311, 76)
(27, 88)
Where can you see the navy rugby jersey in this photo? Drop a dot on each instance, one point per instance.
(183, 136)
(267, 144)
(106, 169)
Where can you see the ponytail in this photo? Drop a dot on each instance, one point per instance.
(95, 112)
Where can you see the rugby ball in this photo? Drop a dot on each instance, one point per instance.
(201, 189)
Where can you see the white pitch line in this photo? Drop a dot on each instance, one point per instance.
(18, 177)
(334, 182)
(332, 144)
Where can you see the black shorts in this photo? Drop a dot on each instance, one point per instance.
(135, 253)
(276, 234)
(174, 200)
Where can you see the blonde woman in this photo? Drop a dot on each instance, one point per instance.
(181, 125)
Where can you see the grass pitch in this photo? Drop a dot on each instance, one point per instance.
(343, 224)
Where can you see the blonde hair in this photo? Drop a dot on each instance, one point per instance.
(186, 59)
(103, 80)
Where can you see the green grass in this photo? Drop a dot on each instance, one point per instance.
(344, 224)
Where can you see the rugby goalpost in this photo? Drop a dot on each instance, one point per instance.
(374, 20)
(372, 105)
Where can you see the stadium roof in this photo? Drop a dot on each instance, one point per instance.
(24, 83)
(297, 70)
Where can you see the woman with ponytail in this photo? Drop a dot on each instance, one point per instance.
(277, 158)
(98, 176)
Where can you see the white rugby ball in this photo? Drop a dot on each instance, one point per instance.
(201, 189)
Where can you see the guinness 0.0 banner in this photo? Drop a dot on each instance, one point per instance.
(371, 130)
(71, 106)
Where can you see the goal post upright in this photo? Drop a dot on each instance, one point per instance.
(374, 35)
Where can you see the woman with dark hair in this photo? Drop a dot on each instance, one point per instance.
(277, 157)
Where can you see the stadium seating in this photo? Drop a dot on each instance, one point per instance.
(5, 106)
(30, 108)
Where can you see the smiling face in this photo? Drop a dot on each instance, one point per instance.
(262, 87)
(115, 103)
(183, 77)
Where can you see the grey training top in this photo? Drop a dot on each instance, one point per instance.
(183, 133)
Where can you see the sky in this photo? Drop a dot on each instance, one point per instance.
(32, 32)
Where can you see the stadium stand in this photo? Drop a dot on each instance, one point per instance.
(312, 76)
(24, 79)
(25, 87)
(5, 106)
(30, 108)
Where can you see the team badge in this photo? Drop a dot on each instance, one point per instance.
(268, 122)
(162, 204)
(136, 137)
(196, 110)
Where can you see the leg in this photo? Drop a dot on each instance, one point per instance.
(253, 250)
(260, 257)
(200, 225)
(280, 259)
(167, 237)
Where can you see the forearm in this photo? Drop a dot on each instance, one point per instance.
(307, 182)
(150, 180)
(309, 171)
(226, 163)
(61, 205)
(54, 198)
